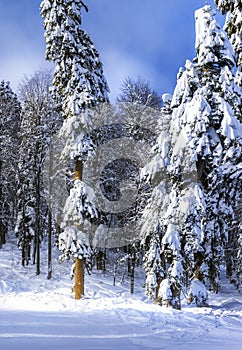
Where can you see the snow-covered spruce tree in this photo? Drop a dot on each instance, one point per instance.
(203, 132)
(234, 246)
(78, 86)
(38, 123)
(155, 175)
(233, 27)
(171, 173)
(78, 79)
(198, 292)
(206, 104)
(229, 151)
(10, 111)
(153, 263)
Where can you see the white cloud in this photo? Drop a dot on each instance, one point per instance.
(14, 69)
(119, 64)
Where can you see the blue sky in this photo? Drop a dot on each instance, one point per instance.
(147, 38)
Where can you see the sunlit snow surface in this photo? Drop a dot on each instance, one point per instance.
(42, 315)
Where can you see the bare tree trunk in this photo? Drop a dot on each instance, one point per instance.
(49, 275)
(79, 263)
(158, 280)
(23, 256)
(79, 281)
(2, 233)
(2, 226)
(176, 296)
(115, 272)
(37, 232)
(51, 164)
(26, 253)
(100, 260)
(24, 235)
(132, 269)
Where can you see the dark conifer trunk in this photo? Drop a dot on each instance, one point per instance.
(176, 296)
(37, 231)
(132, 268)
(49, 275)
(2, 226)
(100, 260)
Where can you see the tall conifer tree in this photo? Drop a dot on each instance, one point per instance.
(204, 116)
(78, 86)
(233, 26)
(215, 135)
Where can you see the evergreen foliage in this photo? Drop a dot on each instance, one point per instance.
(233, 27)
(204, 113)
(78, 79)
(78, 86)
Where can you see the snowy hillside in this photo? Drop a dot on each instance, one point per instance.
(36, 313)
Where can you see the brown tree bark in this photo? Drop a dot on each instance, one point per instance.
(78, 167)
(79, 278)
(79, 263)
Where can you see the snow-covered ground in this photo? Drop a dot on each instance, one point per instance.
(41, 314)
